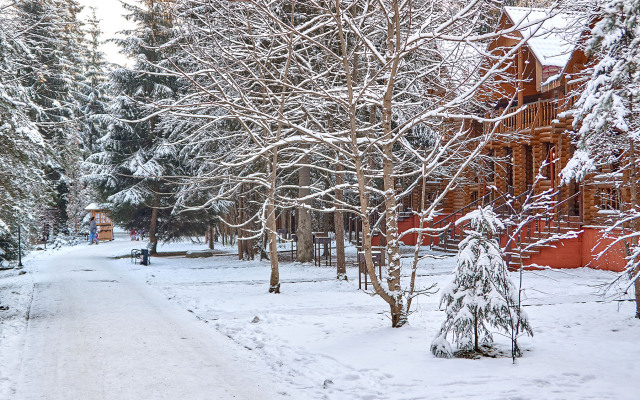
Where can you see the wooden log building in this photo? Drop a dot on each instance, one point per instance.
(536, 138)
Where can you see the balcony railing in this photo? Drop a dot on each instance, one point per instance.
(574, 90)
(534, 115)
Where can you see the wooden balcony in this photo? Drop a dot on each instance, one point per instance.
(526, 121)
(574, 89)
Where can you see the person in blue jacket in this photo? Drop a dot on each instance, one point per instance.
(93, 231)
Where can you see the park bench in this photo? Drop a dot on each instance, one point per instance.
(141, 256)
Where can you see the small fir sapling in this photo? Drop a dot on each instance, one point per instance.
(481, 295)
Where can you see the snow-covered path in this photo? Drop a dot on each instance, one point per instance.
(207, 328)
(95, 332)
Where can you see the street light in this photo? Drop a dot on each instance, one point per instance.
(19, 247)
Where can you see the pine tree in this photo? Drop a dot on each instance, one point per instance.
(50, 69)
(481, 295)
(135, 155)
(607, 115)
(23, 150)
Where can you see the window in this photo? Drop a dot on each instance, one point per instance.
(608, 199)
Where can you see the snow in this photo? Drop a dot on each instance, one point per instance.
(111, 13)
(609, 212)
(96, 207)
(320, 339)
(481, 294)
(551, 41)
(95, 331)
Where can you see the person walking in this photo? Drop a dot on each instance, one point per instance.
(93, 231)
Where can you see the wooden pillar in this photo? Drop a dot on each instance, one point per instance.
(588, 203)
(501, 169)
(563, 150)
(538, 159)
(520, 77)
(458, 200)
(519, 170)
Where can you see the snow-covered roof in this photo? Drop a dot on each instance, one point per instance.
(551, 41)
(97, 206)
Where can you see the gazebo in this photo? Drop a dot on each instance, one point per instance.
(102, 214)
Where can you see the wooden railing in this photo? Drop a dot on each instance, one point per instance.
(542, 226)
(510, 204)
(449, 231)
(538, 114)
(573, 91)
(538, 227)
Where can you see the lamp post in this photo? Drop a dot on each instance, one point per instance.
(19, 247)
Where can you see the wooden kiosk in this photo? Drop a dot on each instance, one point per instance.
(102, 214)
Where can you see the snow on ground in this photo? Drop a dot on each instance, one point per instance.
(91, 330)
(325, 339)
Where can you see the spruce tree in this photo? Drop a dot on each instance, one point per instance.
(607, 116)
(135, 156)
(90, 124)
(481, 295)
(23, 150)
(50, 70)
(93, 96)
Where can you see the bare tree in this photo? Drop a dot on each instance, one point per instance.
(401, 80)
(392, 70)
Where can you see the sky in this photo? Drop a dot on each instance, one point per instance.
(110, 13)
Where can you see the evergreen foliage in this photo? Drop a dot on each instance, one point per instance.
(23, 149)
(481, 295)
(607, 111)
(135, 166)
(93, 96)
(50, 68)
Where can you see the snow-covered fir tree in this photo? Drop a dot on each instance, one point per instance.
(93, 97)
(92, 100)
(50, 70)
(607, 116)
(132, 170)
(22, 149)
(481, 296)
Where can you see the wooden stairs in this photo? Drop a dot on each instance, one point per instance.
(541, 231)
(535, 239)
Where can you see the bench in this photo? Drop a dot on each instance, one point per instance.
(140, 255)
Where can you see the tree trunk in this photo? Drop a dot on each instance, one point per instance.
(305, 228)
(338, 221)
(241, 243)
(637, 286)
(274, 283)
(398, 312)
(153, 228)
(363, 191)
(633, 189)
(252, 246)
(211, 237)
(475, 331)
(398, 315)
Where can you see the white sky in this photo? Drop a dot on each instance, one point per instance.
(110, 13)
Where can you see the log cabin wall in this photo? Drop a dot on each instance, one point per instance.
(537, 139)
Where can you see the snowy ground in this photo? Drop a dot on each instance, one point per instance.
(319, 339)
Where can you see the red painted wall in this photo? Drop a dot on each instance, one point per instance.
(569, 253)
(582, 251)
(594, 243)
(566, 254)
